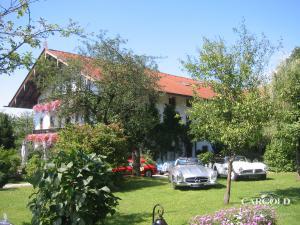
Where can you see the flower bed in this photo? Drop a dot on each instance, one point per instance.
(246, 215)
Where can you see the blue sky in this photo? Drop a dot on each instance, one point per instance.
(170, 29)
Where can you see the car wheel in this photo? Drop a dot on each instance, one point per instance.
(234, 176)
(148, 173)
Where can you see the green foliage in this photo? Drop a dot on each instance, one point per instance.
(286, 92)
(73, 190)
(33, 167)
(280, 155)
(3, 179)
(126, 91)
(169, 134)
(19, 29)
(236, 114)
(206, 157)
(9, 164)
(105, 140)
(22, 126)
(7, 138)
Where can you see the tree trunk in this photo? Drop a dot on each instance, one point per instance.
(228, 184)
(136, 165)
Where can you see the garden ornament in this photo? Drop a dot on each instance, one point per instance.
(160, 220)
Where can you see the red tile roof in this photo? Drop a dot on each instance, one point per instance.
(168, 83)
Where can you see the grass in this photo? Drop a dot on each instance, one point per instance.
(139, 195)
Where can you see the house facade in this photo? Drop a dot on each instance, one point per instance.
(175, 90)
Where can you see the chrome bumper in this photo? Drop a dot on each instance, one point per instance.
(200, 184)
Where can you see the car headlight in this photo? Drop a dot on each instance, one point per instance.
(265, 168)
(240, 169)
(213, 176)
(179, 177)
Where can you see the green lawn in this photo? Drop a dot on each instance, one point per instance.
(140, 195)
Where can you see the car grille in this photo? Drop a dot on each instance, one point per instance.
(252, 171)
(196, 179)
(247, 171)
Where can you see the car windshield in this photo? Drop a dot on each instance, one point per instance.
(240, 158)
(188, 161)
(236, 158)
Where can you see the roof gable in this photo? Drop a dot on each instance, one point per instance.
(171, 84)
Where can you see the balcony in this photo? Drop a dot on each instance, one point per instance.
(45, 131)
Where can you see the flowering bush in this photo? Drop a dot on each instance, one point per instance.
(246, 215)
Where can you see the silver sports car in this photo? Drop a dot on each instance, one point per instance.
(189, 172)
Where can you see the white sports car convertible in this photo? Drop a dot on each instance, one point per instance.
(242, 168)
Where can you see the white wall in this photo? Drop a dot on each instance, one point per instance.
(46, 123)
(198, 146)
(180, 108)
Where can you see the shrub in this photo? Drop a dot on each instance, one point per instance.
(280, 156)
(105, 140)
(9, 164)
(33, 167)
(246, 215)
(206, 157)
(3, 179)
(7, 138)
(73, 189)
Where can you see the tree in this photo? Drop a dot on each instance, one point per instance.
(123, 89)
(19, 29)
(286, 94)
(22, 126)
(7, 139)
(169, 135)
(105, 140)
(238, 110)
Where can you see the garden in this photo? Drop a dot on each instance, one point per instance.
(103, 117)
(139, 195)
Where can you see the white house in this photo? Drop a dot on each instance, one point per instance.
(176, 90)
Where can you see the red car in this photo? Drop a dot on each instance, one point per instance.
(146, 169)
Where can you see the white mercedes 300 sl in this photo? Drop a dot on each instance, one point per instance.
(242, 168)
(189, 172)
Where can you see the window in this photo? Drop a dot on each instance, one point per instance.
(188, 102)
(204, 148)
(172, 101)
(41, 123)
(51, 121)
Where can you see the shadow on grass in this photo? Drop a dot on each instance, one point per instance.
(253, 179)
(217, 186)
(134, 183)
(25, 223)
(292, 193)
(8, 189)
(134, 218)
